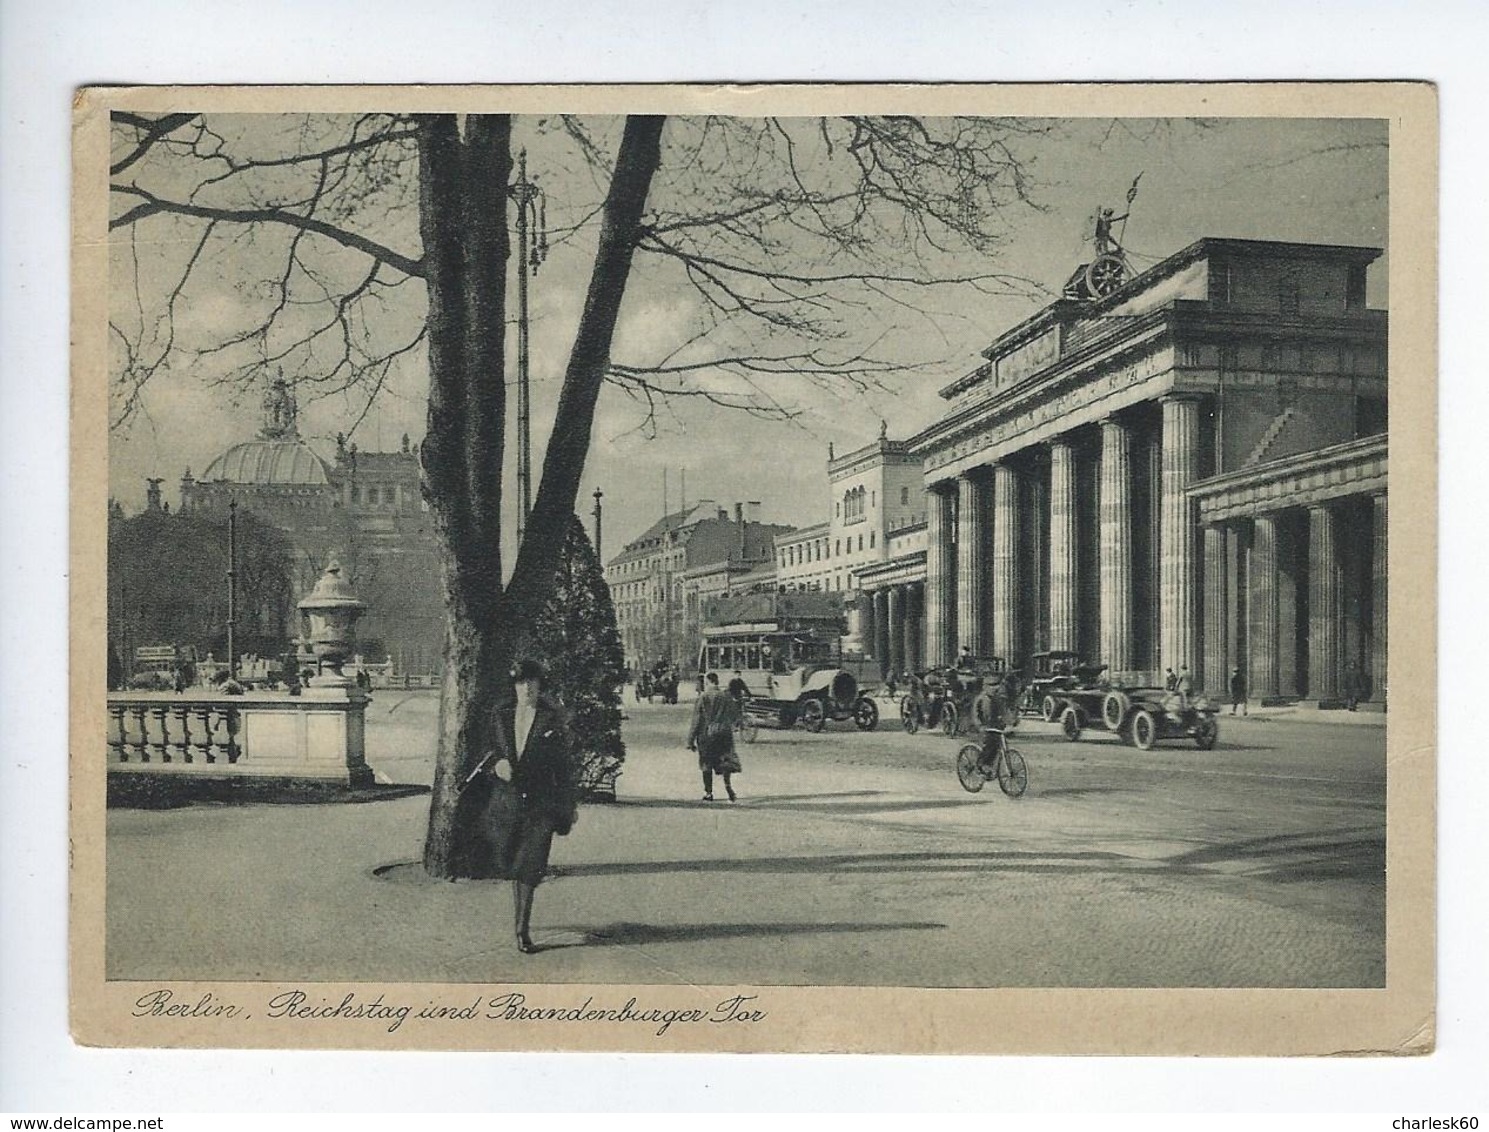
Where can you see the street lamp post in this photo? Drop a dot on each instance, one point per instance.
(599, 553)
(532, 222)
(232, 588)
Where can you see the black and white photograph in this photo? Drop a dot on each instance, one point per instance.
(690, 568)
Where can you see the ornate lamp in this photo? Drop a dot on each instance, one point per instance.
(333, 611)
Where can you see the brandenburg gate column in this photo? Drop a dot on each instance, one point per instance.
(1176, 566)
(1115, 542)
(880, 606)
(1214, 675)
(1323, 604)
(940, 579)
(1261, 634)
(907, 627)
(1005, 562)
(1379, 596)
(971, 562)
(896, 629)
(1064, 588)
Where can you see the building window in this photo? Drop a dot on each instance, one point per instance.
(871, 540)
(904, 496)
(1289, 293)
(356, 494)
(839, 550)
(860, 542)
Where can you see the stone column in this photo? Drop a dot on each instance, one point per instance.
(1323, 605)
(1116, 545)
(971, 562)
(1005, 563)
(897, 628)
(1380, 594)
(1036, 591)
(1215, 675)
(907, 627)
(1177, 558)
(880, 601)
(1262, 628)
(915, 652)
(940, 579)
(1064, 567)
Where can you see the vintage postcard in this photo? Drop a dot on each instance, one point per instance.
(913, 569)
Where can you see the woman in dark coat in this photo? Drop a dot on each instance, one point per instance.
(536, 798)
(712, 736)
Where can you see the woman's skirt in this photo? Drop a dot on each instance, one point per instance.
(512, 837)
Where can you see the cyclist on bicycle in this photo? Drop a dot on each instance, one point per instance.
(991, 711)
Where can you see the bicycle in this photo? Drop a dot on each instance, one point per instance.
(992, 758)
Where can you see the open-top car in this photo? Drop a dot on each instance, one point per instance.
(1144, 716)
(941, 698)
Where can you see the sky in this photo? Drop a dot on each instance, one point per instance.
(1295, 180)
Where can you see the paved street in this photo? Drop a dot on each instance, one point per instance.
(850, 858)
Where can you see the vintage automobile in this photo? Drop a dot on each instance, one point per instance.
(940, 699)
(1049, 673)
(1144, 716)
(787, 653)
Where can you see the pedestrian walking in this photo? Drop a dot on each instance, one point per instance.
(1237, 691)
(1170, 681)
(712, 736)
(530, 793)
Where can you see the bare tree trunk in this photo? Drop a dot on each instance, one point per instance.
(463, 220)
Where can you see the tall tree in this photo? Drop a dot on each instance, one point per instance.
(778, 227)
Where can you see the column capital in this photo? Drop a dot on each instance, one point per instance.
(1180, 398)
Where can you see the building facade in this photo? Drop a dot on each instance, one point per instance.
(1189, 471)
(363, 508)
(659, 581)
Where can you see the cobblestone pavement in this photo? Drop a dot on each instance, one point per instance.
(850, 858)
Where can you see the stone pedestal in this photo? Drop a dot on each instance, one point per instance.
(1064, 560)
(1115, 545)
(1005, 563)
(1176, 563)
(971, 563)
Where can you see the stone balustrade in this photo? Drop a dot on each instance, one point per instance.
(319, 735)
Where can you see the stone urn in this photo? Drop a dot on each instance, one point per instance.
(333, 611)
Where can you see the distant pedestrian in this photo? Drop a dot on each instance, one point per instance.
(712, 736)
(1170, 681)
(1237, 691)
(1184, 687)
(738, 689)
(1352, 690)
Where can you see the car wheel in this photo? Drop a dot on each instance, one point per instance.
(969, 768)
(1114, 710)
(1206, 732)
(865, 714)
(1144, 729)
(812, 716)
(1070, 724)
(1050, 709)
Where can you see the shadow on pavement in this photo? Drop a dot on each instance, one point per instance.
(632, 934)
(851, 862)
(1338, 855)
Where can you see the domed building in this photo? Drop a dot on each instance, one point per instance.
(364, 508)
